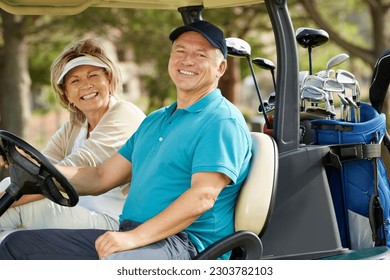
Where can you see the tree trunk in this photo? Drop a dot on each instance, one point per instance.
(14, 75)
(230, 83)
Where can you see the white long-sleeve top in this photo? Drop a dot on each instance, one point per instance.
(70, 147)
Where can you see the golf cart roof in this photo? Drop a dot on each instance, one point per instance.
(61, 7)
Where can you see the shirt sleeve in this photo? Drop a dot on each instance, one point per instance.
(222, 148)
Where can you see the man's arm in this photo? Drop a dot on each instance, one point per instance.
(205, 188)
(113, 172)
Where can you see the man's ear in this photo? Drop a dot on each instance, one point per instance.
(222, 68)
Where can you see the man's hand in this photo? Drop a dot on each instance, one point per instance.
(112, 242)
(205, 188)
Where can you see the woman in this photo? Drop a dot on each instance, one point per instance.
(85, 82)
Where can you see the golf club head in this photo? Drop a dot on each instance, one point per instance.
(313, 94)
(301, 77)
(323, 74)
(331, 85)
(238, 47)
(268, 107)
(311, 37)
(336, 60)
(272, 98)
(351, 103)
(345, 77)
(313, 80)
(263, 63)
(343, 107)
(343, 100)
(355, 109)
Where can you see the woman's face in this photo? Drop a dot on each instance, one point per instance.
(88, 88)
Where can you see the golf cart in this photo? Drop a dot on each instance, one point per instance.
(298, 217)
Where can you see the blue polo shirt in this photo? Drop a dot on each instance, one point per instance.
(169, 146)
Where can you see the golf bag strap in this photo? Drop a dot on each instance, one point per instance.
(344, 152)
(375, 217)
(375, 210)
(337, 127)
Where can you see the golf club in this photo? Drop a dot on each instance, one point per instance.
(349, 81)
(316, 95)
(267, 65)
(315, 81)
(301, 77)
(353, 107)
(310, 38)
(334, 61)
(239, 48)
(331, 86)
(343, 107)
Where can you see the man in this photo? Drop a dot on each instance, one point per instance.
(186, 164)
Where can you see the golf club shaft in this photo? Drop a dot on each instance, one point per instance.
(258, 92)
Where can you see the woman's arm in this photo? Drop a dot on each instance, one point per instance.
(116, 126)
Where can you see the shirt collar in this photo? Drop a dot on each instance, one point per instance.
(199, 105)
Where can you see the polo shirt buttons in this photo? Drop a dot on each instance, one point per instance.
(160, 139)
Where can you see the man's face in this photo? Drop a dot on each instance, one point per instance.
(194, 65)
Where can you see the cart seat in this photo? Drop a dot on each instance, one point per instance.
(254, 204)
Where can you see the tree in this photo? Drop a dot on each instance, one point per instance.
(14, 78)
(333, 17)
(246, 23)
(29, 44)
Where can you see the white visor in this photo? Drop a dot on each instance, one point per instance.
(81, 60)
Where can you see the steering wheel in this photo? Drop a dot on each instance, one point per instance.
(32, 173)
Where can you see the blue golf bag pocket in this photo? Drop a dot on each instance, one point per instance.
(357, 177)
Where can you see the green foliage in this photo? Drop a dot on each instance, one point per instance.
(248, 23)
(146, 33)
(348, 20)
(143, 31)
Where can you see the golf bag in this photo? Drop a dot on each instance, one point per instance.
(357, 177)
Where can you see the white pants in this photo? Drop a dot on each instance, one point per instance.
(47, 214)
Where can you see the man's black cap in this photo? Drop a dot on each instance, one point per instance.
(212, 33)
